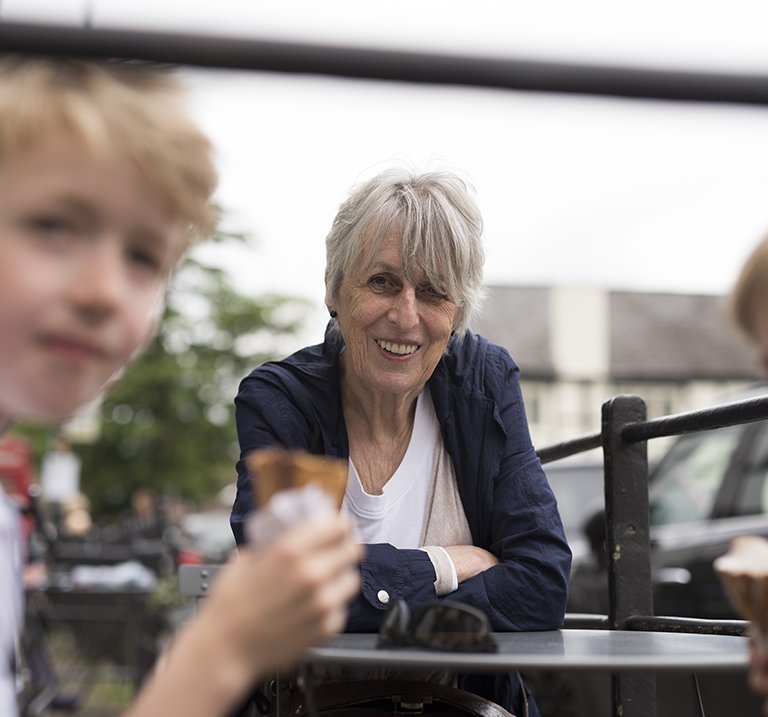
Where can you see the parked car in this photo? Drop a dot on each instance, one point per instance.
(579, 489)
(709, 487)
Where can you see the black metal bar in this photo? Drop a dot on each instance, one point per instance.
(654, 623)
(628, 544)
(726, 414)
(556, 451)
(626, 505)
(434, 68)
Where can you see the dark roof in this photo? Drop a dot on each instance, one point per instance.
(676, 336)
(656, 337)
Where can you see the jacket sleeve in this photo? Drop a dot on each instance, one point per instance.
(390, 574)
(265, 416)
(528, 589)
(516, 518)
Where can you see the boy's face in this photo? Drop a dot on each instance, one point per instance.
(85, 251)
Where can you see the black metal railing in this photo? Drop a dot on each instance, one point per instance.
(556, 451)
(623, 438)
(726, 414)
(375, 64)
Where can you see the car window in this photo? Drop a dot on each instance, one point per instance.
(751, 497)
(576, 488)
(685, 485)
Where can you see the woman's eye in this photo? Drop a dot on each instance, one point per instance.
(432, 293)
(379, 282)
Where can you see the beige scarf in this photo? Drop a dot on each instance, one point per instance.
(445, 522)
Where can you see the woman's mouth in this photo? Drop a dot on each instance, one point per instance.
(397, 349)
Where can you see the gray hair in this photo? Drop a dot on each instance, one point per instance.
(439, 225)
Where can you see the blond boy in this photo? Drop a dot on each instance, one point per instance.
(103, 181)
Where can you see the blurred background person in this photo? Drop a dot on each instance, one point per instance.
(749, 306)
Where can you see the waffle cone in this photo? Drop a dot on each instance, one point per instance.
(743, 571)
(274, 469)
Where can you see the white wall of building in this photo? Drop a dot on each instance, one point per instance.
(563, 409)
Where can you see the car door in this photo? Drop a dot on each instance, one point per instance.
(710, 487)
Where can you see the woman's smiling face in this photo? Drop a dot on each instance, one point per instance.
(394, 331)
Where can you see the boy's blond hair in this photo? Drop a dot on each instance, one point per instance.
(134, 109)
(751, 285)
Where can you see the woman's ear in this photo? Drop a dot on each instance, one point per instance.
(328, 301)
(456, 321)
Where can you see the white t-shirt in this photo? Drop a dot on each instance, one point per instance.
(11, 596)
(397, 515)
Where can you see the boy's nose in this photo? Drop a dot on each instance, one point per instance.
(99, 287)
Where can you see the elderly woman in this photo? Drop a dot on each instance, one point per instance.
(444, 485)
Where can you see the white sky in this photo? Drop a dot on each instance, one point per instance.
(580, 190)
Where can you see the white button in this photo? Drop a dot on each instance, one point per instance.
(383, 596)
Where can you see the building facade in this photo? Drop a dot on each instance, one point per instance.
(578, 346)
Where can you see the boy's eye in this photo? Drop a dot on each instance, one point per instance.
(144, 259)
(50, 225)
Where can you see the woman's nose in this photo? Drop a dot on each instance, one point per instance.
(404, 311)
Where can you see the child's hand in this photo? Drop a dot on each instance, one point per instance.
(266, 607)
(276, 601)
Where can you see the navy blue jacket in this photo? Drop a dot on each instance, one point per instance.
(509, 505)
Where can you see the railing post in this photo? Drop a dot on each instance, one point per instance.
(627, 544)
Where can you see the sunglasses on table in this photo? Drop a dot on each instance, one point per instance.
(446, 626)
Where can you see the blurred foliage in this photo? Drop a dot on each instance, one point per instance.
(168, 424)
(167, 596)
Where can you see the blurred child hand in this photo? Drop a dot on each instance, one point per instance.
(281, 599)
(266, 607)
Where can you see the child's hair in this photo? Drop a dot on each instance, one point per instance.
(134, 109)
(750, 286)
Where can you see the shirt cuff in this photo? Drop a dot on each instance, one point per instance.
(447, 579)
